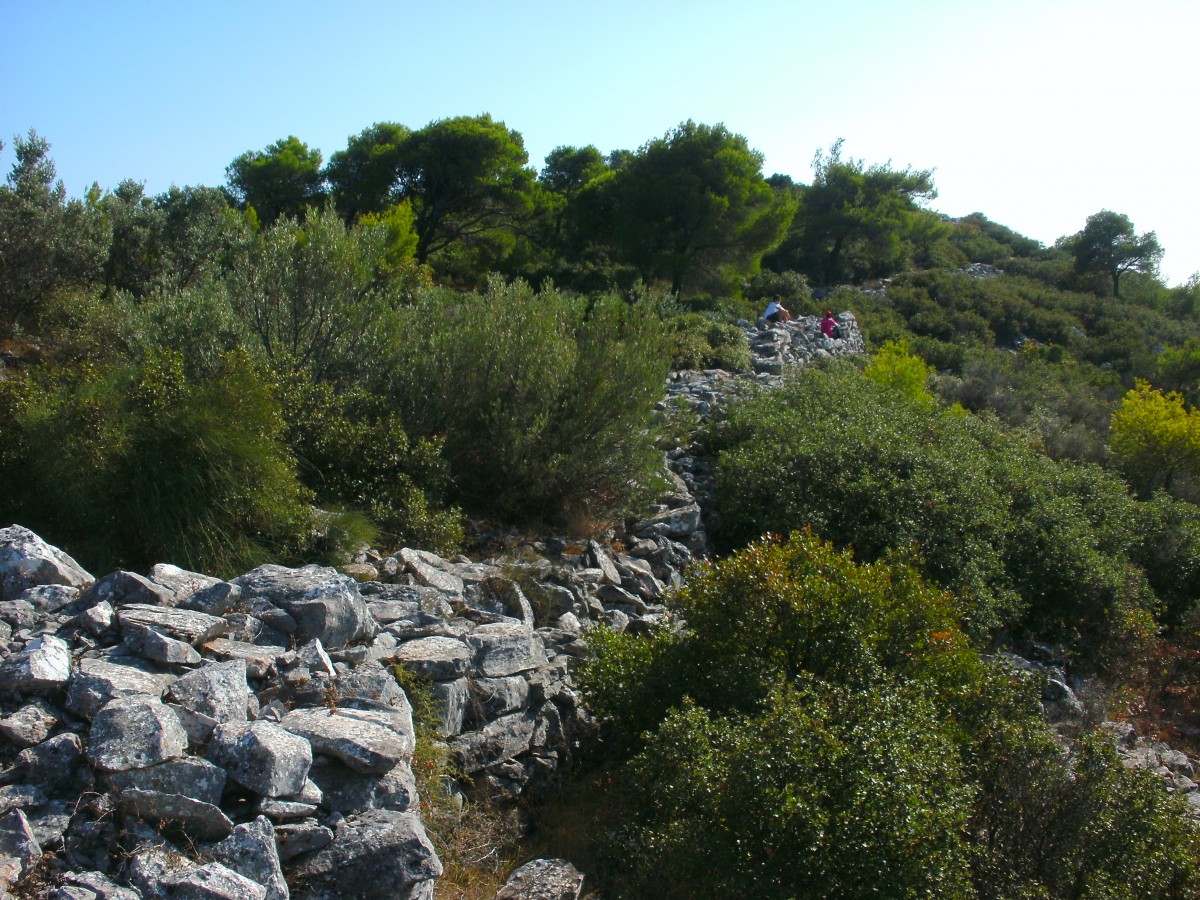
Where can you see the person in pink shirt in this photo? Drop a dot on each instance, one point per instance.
(829, 326)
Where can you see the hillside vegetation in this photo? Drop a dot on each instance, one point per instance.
(425, 332)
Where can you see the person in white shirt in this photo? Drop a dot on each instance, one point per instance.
(776, 313)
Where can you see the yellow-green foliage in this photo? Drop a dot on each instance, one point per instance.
(895, 366)
(1156, 436)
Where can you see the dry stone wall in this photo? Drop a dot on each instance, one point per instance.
(173, 734)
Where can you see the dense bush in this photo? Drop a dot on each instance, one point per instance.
(699, 342)
(353, 452)
(543, 400)
(132, 467)
(822, 728)
(1062, 401)
(316, 295)
(1021, 539)
(826, 793)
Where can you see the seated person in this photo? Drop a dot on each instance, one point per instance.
(776, 313)
(829, 326)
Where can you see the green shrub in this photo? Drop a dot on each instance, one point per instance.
(1021, 539)
(139, 466)
(352, 451)
(697, 342)
(827, 793)
(821, 728)
(790, 287)
(543, 400)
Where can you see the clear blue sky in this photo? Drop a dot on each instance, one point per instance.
(1036, 113)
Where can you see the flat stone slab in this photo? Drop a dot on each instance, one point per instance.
(430, 575)
(259, 659)
(185, 625)
(187, 775)
(543, 879)
(506, 649)
(437, 658)
(199, 820)
(98, 681)
(154, 646)
(363, 745)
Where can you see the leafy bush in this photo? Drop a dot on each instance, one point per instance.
(1156, 439)
(543, 400)
(827, 793)
(894, 366)
(352, 451)
(790, 287)
(139, 466)
(700, 343)
(1020, 538)
(822, 728)
(317, 296)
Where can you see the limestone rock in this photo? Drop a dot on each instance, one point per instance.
(54, 763)
(199, 820)
(504, 649)
(217, 690)
(26, 561)
(428, 574)
(134, 732)
(251, 852)
(98, 681)
(380, 855)
(211, 881)
(187, 775)
(324, 604)
(31, 724)
(17, 842)
(348, 792)
(122, 587)
(295, 839)
(437, 658)
(262, 757)
(44, 665)
(363, 745)
(185, 625)
(543, 879)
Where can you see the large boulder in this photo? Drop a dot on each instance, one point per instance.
(351, 737)
(135, 732)
(26, 561)
(322, 603)
(262, 756)
(379, 855)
